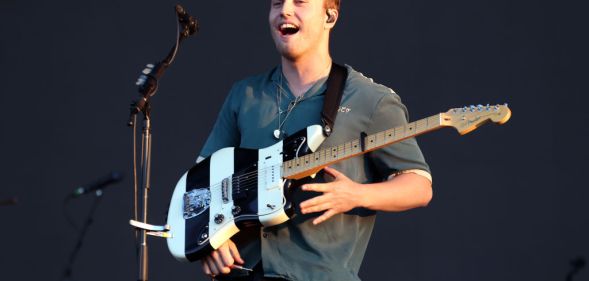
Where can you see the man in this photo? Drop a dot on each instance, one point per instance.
(328, 236)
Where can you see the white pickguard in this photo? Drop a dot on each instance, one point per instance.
(222, 163)
(271, 186)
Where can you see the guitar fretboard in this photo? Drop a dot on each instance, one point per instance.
(311, 163)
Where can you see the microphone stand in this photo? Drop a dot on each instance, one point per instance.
(148, 85)
(67, 273)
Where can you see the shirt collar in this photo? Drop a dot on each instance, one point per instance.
(317, 89)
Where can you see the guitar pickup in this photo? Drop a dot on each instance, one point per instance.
(225, 186)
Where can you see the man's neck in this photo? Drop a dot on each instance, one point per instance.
(302, 73)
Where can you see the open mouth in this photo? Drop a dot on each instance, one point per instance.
(288, 29)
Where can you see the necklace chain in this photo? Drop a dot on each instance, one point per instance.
(278, 132)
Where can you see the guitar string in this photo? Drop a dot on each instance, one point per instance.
(324, 152)
(253, 174)
(248, 183)
(321, 153)
(244, 182)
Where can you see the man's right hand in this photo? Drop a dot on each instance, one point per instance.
(221, 260)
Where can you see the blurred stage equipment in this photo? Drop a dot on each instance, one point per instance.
(98, 185)
(9, 202)
(577, 264)
(97, 188)
(147, 85)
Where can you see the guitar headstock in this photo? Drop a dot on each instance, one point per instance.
(469, 118)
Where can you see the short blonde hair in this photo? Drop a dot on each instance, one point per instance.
(332, 4)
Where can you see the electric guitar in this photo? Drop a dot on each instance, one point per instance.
(238, 188)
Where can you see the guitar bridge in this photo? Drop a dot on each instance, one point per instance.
(196, 202)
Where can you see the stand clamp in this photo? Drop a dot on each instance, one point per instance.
(153, 230)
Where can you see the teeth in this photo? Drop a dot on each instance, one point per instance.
(287, 25)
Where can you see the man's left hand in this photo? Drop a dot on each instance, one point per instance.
(339, 196)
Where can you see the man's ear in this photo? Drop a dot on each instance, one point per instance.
(332, 16)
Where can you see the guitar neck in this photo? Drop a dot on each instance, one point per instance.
(312, 163)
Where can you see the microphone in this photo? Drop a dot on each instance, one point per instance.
(187, 20)
(102, 183)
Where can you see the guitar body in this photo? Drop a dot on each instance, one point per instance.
(231, 190)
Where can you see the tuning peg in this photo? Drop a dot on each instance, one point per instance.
(472, 108)
(480, 107)
(464, 109)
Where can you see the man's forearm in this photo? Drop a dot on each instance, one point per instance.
(402, 192)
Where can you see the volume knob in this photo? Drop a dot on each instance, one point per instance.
(219, 218)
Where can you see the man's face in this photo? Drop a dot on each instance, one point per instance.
(298, 26)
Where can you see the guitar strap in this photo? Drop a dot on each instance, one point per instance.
(336, 82)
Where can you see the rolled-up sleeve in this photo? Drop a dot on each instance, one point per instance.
(402, 156)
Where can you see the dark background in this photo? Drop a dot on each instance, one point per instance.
(509, 203)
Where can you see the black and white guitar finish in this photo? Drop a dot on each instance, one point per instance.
(232, 189)
(237, 188)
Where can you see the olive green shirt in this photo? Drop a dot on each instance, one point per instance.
(297, 249)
